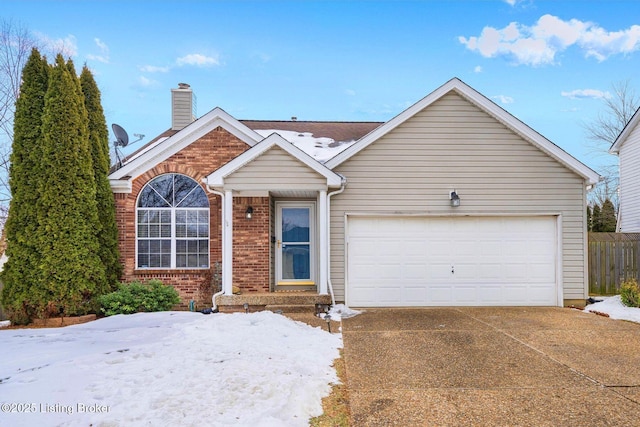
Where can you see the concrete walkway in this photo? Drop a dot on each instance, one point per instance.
(491, 367)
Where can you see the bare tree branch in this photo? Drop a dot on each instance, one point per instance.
(16, 43)
(616, 112)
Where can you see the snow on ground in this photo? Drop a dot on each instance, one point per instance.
(320, 148)
(169, 368)
(615, 309)
(341, 311)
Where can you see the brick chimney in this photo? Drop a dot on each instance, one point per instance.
(183, 106)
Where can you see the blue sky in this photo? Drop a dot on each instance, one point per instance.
(549, 63)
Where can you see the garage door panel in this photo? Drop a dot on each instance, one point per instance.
(395, 261)
(441, 295)
(415, 271)
(417, 295)
(465, 294)
(438, 272)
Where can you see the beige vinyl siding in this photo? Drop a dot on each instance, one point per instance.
(452, 144)
(630, 183)
(275, 170)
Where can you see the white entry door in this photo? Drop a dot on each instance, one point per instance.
(411, 261)
(295, 244)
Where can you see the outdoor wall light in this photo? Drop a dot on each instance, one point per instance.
(454, 199)
(249, 213)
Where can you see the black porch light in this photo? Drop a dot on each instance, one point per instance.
(454, 199)
(249, 213)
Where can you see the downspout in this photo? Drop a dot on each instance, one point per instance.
(343, 185)
(619, 216)
(214, 307)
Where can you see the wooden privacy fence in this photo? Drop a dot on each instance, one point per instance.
(613, 258)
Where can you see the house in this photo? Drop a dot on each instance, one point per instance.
(627, 148)
(452, 202)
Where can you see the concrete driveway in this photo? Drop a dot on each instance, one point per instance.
(491, 367)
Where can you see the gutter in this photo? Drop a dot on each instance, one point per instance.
(214, 307)
(343, 185)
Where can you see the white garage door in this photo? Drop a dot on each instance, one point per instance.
(469, 261)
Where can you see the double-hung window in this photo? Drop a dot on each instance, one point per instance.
(172, 228)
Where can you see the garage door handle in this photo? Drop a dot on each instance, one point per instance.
(452, 270)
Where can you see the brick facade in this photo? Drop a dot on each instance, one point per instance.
(251, 244)
(251, 252)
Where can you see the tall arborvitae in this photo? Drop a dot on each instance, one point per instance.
(22, 294)
(99, 141)
(596, 219)
(608, 217)
(67, 210)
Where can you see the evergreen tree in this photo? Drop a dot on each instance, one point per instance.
(67, 211)
(596, 219)
(589, 218)
(99, 142)
(22, 294)
(608, 217)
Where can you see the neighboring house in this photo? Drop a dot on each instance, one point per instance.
(363, 210)
(627, 148)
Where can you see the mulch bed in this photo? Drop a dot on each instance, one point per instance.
(54, 322)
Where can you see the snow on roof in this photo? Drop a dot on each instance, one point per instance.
(320, 148)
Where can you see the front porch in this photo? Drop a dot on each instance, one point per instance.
(285, 301)
(275, 228)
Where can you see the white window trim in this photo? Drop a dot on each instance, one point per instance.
(173, 237)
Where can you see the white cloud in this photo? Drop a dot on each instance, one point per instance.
(154, 69)
(263, 57)
(104, 52)
(144, 82)
(67, 46)
(477, 69)
(195, 59)
(586, 93)
(540, 43)
(102, 45)
(511, 2)
(198, 60)
(503, 99)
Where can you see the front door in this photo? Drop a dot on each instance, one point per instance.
(295, 235)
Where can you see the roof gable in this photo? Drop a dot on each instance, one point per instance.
(486, 105)
(626, 132)
(216, 179)
(163, 148)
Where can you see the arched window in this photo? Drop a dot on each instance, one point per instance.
(172, 229)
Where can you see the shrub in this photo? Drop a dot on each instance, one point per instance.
(630, 293)
(136, 297)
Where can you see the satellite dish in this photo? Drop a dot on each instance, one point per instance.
(122, 138)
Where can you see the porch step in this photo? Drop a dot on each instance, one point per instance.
(288, 302)
(291, 308)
